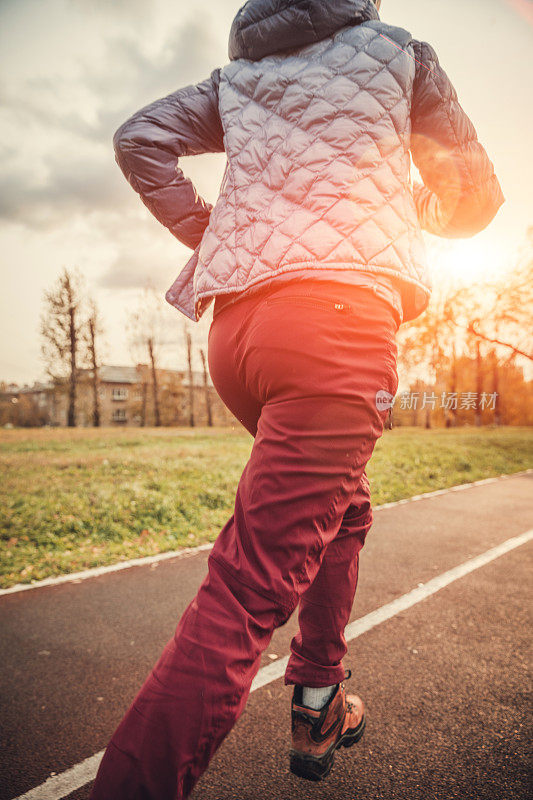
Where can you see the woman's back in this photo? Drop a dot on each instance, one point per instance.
(318, 164)
(317, 139)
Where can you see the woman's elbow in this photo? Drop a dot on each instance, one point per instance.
(121, 137)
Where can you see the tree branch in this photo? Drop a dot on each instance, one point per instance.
(471, 328)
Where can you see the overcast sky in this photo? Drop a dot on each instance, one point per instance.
(71, 71)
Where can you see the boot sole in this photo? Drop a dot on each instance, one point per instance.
(316, 769)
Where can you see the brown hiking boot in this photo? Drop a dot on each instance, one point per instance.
(317, 734)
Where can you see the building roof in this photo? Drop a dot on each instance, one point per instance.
(109, 373)
(113, 373)
(117, 374)
(38, 386)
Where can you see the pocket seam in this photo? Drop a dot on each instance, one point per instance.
(318, 302)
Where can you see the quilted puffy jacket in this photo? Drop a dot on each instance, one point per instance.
(319, 111)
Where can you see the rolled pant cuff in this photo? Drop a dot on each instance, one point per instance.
(307, 673)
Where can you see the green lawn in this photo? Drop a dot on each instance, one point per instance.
(74, 499)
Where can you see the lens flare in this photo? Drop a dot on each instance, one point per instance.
(524, 8)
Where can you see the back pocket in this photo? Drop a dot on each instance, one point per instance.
(308, 300)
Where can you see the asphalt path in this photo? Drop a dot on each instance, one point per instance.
(445, 682)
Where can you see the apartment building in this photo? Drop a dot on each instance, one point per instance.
(126, 397)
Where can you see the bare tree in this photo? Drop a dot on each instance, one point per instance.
(146, 335)
(60, 328)
(93, 329)
(144, 398)
(426, 346)
(155, 386)
(496, 387)
(506, 322)
(188, 340)
(206, 389)
(451, 413)
(479, 383)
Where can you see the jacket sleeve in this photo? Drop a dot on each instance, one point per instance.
(149, 144)
(461, 193)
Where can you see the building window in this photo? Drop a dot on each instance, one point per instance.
(101, 392)
(119, 415)
(120, 393)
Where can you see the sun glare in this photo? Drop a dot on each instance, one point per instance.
(468, 261)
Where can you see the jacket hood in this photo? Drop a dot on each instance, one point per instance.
(264, 27)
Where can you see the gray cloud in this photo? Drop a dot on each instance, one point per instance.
(120, 9)
(75, 186)
(139, 254)
(134, 266)
(183, 58)
(84, 177)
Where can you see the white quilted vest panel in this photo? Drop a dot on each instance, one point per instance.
(318, 167)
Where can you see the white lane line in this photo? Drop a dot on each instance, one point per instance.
(458, 488)
(76, 577)
(60, 786)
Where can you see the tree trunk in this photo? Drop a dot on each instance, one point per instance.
(94, 366)
(155, 387)
(55, 420)
(71, 418)
(144, 388)
(453, 388)
(191, 386)
(427, 415)
(206, 389)
(418, 391)
(495, 388)
(479, 384)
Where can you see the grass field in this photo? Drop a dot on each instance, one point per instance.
(80, 498)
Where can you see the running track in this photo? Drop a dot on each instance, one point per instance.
(440, 651)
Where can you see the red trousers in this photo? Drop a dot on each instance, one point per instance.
(300, 366)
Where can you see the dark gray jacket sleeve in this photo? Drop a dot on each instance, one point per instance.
(461, 193)
(149, 144)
